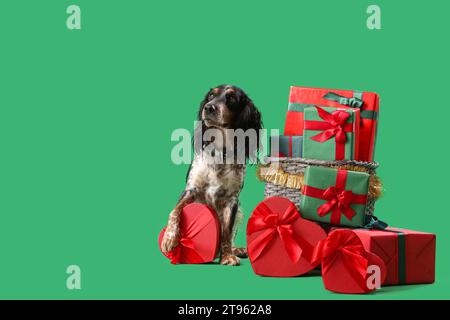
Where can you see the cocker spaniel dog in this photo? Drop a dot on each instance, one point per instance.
(216, 175)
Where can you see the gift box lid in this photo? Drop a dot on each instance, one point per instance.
(308, 96)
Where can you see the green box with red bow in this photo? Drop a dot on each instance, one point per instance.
(331, 133)
(334, 196)
(301, 98)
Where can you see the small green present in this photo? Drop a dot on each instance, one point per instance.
(331, 133)
(334, 196)
(286, 146)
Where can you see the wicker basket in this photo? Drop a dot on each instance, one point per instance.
(284, 177)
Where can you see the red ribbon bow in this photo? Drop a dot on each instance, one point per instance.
(334, 125)
(272, 224)
(185, 250)
(338, 199)
(343, 245)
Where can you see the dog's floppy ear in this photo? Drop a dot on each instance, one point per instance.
(250, 118)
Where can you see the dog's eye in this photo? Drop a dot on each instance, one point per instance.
(211, 96)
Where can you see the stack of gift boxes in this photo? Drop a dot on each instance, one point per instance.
(328, 124)
(329, 228)
(334, 128)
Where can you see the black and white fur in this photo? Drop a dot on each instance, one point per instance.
(218, 183)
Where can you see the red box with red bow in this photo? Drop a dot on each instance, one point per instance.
(367, 102)
(199, 236)
(279, 242)
(347, 267)
(403, 256)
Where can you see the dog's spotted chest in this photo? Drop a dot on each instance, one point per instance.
(218, 182)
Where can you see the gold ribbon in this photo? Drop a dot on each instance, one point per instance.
(275, 174)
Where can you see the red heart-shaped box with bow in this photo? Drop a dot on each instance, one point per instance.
(346, 265)
(199, 236)
(280, 242)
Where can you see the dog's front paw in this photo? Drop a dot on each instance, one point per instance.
(240, 252)
(230, 260)
(169, 241)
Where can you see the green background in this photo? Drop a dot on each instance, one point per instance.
(86, 119)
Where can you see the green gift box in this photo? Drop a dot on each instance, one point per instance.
(286, 146)
(334, 196)
(331, 133)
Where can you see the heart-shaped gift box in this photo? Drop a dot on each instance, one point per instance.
(346, 266)
(199, 236)
(280, 242)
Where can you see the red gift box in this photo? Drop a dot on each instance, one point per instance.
(280, 242)
(199, 236)
(409, 255)
(368, 103)
(346, 263)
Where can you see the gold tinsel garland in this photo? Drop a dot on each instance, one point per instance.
(275, 174)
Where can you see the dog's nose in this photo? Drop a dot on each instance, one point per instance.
(210, 108)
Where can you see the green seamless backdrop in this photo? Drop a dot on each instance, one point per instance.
(86, 118)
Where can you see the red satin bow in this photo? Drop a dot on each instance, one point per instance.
(343, 245)
(272, 225)
(334, 125)
(185, 250)
(338, 199)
